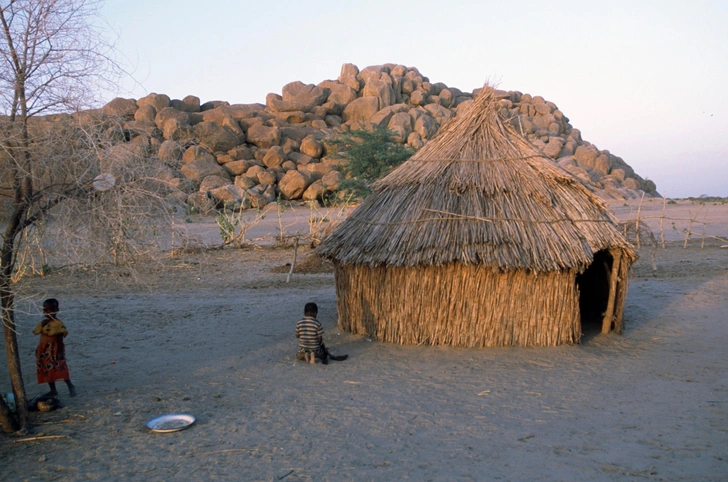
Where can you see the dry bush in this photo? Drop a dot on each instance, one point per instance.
(78, 224)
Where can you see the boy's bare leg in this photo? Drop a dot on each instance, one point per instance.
(313, 357)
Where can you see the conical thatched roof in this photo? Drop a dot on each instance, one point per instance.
(478, 193)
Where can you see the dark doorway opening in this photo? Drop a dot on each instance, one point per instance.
(593, 285)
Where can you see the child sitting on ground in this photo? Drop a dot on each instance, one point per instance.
(310, 334)
(51, 352)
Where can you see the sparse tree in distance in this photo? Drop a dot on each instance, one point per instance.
(65, 174)
(369, 155)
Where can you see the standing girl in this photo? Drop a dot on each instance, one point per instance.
(50, 355)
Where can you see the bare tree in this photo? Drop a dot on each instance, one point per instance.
(63, 172)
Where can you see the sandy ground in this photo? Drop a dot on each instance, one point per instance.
(212, 334)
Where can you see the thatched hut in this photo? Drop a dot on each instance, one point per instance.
(479, 240)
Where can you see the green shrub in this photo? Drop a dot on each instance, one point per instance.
(369, 155)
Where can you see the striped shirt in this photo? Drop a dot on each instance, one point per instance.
(308, 331)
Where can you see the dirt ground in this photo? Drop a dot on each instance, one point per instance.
(211, 333)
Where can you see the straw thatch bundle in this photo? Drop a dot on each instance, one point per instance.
(478, 240)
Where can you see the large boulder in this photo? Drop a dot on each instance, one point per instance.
(199, 169)
(352, 82)
(332, 180)
(297, 96)
(292, 185)
(146, 114)
(311, 146)
(602, 164)
(236, 168)
(439, 112)
(299, 158)
(190, 103)
(579, 172)
(267, 177)
(163, 115)
(214, 181)
(158, 101)
(339, 93)
(196, 153)
(414, 140)
(425, 126)
(253, 171)
(631, 183)
(290, 145)
(361, 109)
(177, 130)
(381, 118)
(257, 199)
(275, 103)
(241, 152)
(417, 98)
(401, 125)
(288, 165)
(407, 86)
(170, 151)
(229, 195)
(135, 128)
(116, 157)
(586, 156)
(235, 111)
(313, 192)
(290, 117)
(245, 182)
(649, 187)
(216, 137)
(575, 135)
(543, 121)
(446, 98)
(316, 170)
(246, 124)
(263, 136)
(554, 146)
(213, 104)
(381, 90)
(333, 121)
(120, 107)
(569, 148)
(347, 71)
(274, 157)
(298, 133)
(223, 118)
(307, 94)
(542, 109)
(373, 72)
(566, 161)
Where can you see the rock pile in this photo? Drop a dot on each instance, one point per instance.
(248, 155)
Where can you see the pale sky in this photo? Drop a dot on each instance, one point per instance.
(647, 80)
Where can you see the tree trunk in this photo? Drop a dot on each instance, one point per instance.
(14, 368)
(7, 301)
(11, 348)
(7, 419)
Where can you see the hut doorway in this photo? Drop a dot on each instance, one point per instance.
(593, 285)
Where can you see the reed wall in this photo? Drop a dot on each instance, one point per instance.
(458, 305)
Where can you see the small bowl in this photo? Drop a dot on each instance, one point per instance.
(46, 405)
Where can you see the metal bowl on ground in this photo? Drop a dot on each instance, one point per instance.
(171, 422)
(46, 405)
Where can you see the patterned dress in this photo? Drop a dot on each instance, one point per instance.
(50, 356)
